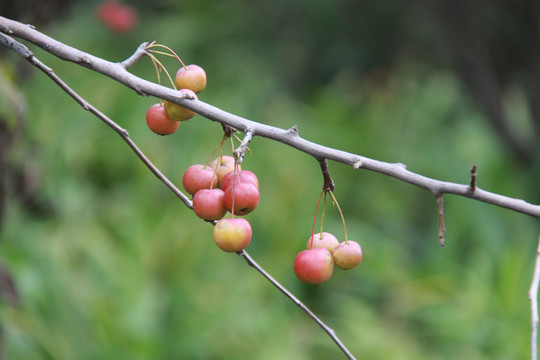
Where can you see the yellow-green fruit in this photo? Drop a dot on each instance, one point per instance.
(177, 112)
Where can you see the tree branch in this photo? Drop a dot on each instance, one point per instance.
(533, 297)
(118, 72)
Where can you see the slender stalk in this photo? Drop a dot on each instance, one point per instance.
(533, 297)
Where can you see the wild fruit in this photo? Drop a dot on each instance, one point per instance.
(177, 112)
(208, 204)
(118, 17)
(191, 77)
(246, 198)
(323, 240)
(224, 165)
(232, 235)
(347, 255)
(241, 176)
(198, 177)
(314, 266)
(159, 122)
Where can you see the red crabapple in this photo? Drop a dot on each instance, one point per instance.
(198, 177)
(118, 17)
(159, 122)
(208, 204)
(224, 165)
(324, 240)
(241, 176)
(232, 235)
(314, 266)
(347, 255)
(177, 112)
(246, 198)
(191, 77)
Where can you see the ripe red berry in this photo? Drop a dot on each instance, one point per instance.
(232, 235)
(198, 177)
(246, 198)
(241, 176)
(159, 122)
(314, 266)
(191, 77)
(208, 204)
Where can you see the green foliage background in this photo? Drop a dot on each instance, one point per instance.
(118, 268)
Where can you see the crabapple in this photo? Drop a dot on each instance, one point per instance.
(246, 198)
(224, 165)
(208, 204)
(314, 266)
(241, 176)
(159, 122)
(118, 17)
(323, 240)
(191, 77)
(180, 113)
(198, 177)
(347, 255)
(232, 235)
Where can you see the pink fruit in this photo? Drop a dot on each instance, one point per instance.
(246, 198)
(159, 122)
(224, 165)
(324, 240)
(118, 17)
(241, 176)
(347, 255)
(232, 235)
(208, 204)
(191, 77)
(198, 177)
(314, 266)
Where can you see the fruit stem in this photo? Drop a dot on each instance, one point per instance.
(315, 220)
(220, 145)
(323, 212)
(159, 66)
(235, 173)
(168, 49)
(334, 200)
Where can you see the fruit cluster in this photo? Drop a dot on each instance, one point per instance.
(165, 118)
(221, 187)
(315, 265)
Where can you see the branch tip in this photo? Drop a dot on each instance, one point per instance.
(472, 184)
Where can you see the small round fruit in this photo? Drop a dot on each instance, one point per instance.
(208, 204)
(159, 122)
(241, 176)
(191, 77)
(347, 255)
(232, 235)
(324, 240)
(246, 198)
(118, 17)
(198, 177)
(224, 165)
(314, 266)
(177, 112)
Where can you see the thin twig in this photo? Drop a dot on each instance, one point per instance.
(440, 211)
(294, 299)
(240, 151)
(290, 138)
(139, 53)
(472, 184)
(328, 184)
(533, 297)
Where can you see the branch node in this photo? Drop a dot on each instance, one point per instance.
(85, 60)
(440, 210)
(139, 53)
(358, 164)
(293, 130)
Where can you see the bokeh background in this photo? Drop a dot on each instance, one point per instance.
(101, 261)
